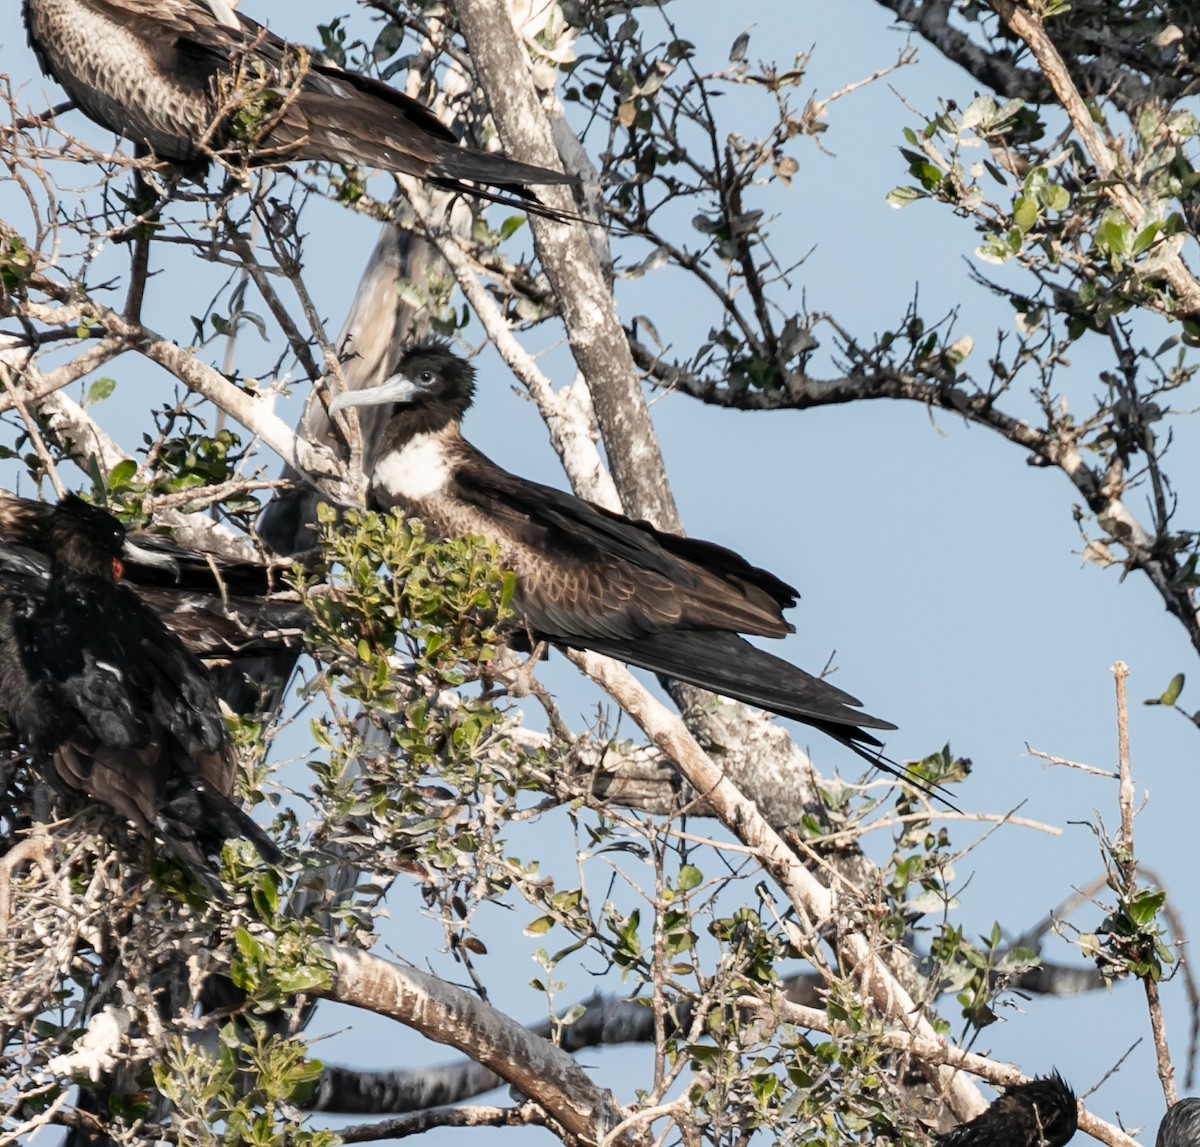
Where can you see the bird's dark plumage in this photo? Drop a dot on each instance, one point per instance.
(1040, 1113)
(188, 77)
(107, 700)
(1180, 1127)
(591, 579)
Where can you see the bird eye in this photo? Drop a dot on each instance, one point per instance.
(426, 377)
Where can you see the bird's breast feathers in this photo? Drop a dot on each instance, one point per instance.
(416, 472)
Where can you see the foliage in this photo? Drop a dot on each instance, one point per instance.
(776, 995)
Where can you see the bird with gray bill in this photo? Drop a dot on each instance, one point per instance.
(588, 578)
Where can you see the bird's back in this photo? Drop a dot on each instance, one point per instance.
(127, 65)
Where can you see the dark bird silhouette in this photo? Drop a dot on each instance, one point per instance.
(1040, 1113)
(591, 579)
(235, 613)
(108, 701)
(1180, 1127)
(185, 78)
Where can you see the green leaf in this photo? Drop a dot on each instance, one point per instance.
(511, 225)
(1146, 237)
(1170, 694)
(122, 474)
(100, 390)
(689, 877)
(1144, 907)
(1055, 198)
(1025, 214)
(900, 197)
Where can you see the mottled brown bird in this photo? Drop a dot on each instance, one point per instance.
(187, 77)
(108, 701)
(1040, 1113)
(591, 579)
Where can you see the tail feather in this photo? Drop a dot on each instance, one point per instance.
(196, 822)
(498, 170)
(375, 132)
(728, 664)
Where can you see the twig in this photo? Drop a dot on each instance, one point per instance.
(1127, 860)
(527, 1115)
(1064, 763)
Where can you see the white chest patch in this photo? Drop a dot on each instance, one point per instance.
(416, 472)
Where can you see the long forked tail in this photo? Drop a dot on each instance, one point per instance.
(387, 131)
(728, 664)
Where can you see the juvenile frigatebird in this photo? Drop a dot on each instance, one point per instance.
(109, 702)
(1042, 1112)
(189, 77)
(587, 578)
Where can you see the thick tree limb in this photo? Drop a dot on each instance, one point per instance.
(816, 904)
(581, 286)
(446, 1014)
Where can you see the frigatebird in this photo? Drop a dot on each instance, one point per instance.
(1180, 1127)
(1041, 1112)
(185, 78)
(108, 702)
(587, 578)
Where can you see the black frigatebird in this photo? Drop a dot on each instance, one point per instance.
(109, 702)
(591, 579)
(189, 77)
(1041, 1112)
(234, 612)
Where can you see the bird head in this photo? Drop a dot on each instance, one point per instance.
(430, 375)
(85, 540)
(88, 541)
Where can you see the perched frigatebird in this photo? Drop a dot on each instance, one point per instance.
(591, 579)
(109, 702)
(1042, 1112)
(186, 78)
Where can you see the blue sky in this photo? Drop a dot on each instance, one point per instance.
(943, 570)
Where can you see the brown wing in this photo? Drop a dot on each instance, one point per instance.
(586, 571)
(591, 579)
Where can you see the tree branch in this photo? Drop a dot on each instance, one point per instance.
(449, 1015)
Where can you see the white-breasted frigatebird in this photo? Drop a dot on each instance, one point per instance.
(587, 578)
(109, 702)
(185, 78)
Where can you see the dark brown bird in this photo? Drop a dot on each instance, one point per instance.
(184, 78)
(108, 701)
(591, 579)
(1180, 1127)
(1040, 1113)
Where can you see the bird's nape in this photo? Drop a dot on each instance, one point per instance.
(1180, 1127)
(1041, 1112)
